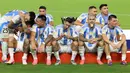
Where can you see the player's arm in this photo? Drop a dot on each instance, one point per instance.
(32, 39)
(77, 22)
(81, 38)
(48, 39)
(51, 22)
(24, 26)
(10, 25)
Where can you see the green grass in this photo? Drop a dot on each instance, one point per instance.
(59, 8)
(42, 68)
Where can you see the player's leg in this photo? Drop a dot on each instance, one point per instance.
(107, 51)
(34, 53)
(49, 52)
(4, 36)
(11, 45)
(100, 49)
(4, 48)
(74, 47)
(56, 48)
(81, 52)
(26, 49)
(124, 50)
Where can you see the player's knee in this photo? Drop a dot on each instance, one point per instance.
(75, 43)
(49, 44)
(101, 43)
(80, 43)
(26, 41)
(54, 43)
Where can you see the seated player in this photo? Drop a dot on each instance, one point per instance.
(112, 43)
(102, 18)
(82, 19)
(42, 11)
(11, 20)
(67, 38)
(90, 38)
(42, 39)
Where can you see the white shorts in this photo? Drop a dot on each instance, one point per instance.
(90, 46)
(78, 28)
(114, 50)
(19, 47)
(4, 32)
(65, 48)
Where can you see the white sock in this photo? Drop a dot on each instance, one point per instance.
(48, 51)
(11, 53)
(4, 50)
(24, 56)
(108, 57)
(34, 54)
(74, 53)
(57, 55)
(123, 57)
(81, 51)
(99, 53)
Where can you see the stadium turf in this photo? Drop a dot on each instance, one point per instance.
(42, 68)
(59, 8)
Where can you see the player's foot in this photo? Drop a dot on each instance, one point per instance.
(4, 61)
(24, 62)
(99, 62)
(35, 61)
(57, 62)
(10, 62)
(109, 62)
(124, 62)
(82, 62)
(73, 62)
(48, 62)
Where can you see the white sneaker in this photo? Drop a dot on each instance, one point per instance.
(24, 62)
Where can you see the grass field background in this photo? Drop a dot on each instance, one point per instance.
(42, 68)
(59, 8)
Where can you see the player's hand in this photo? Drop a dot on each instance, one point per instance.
(67, 36)
(94, 40)
(40, 49)
(90, 41)
(21, 14)
(113, 45)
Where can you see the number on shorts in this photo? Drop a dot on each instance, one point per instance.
(5, 30)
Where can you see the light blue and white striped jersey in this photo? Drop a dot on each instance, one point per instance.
(83, 18)
(49, 18)
(12, 15)
(91, 33)
(70, 31)
(42, 33)
(112, 33)
(21, 36)
(102, 19)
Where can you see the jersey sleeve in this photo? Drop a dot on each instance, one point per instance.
(16, 19)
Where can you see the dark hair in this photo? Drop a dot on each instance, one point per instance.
(91, 7)
(42, 17)
(32, 15)
(111, 16)
(70, 19)
(102, 5)
(42, 7)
